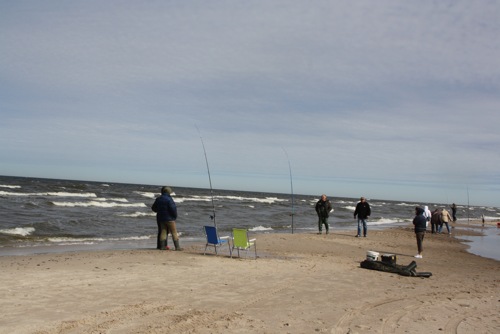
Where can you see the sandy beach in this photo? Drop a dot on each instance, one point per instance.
(301, 283)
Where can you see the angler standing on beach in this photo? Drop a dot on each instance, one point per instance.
(166, 214)
(323, 208)
(363, 211)
(454, 212)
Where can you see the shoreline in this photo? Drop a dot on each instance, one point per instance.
(300, 283)
(467, 230)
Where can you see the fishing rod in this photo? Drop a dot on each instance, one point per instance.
(468, 206)
(291, 183)
(212, 217)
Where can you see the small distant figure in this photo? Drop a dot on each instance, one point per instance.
(363, 211)
(166, 214)
(445, 218)
(454, 212)
(323, 208)
(427, 215)
(482, 219)
(419, 222)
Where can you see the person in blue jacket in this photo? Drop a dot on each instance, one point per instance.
(166, 214)
(420, 224)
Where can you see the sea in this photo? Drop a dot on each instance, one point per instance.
(49, 215)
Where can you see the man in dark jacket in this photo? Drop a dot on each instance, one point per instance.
(323, 208)
(166, 214)
(435, 220)
(420, 224)
(363, 211)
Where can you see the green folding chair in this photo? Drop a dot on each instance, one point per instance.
(242, 242)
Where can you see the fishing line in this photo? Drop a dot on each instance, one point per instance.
(209, 178)
(291, 184)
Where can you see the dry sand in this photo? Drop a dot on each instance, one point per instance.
(301, 283)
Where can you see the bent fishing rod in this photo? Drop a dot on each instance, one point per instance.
(291, 184)
(212, 217)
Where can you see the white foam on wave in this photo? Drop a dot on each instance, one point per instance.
(251, 199)
(193, 199)
(269, 200)
(386, 221)
(123, 200)
(260, 228)
(138, 214)
(491, 217)
(351, 208)
(22, 231)
(55, 194)
(146, 194)
(98, 204)
(405, 204)
(66, 240)
(9, 186)
(343, 202)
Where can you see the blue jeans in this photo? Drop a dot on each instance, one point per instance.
(362, 221)
(441, 227)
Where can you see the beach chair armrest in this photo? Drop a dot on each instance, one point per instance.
(252, 240)
(226, 237)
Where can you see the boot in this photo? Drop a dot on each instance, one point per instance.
(177, 247)
(163, 244)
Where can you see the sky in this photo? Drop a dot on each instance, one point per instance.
(394, 100)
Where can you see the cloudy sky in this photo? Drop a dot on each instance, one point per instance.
(388, 99)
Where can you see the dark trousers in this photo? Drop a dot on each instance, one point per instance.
(321, 221)
(164, 228)
(158, 237)
(420, 240)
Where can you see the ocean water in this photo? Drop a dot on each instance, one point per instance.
(38, 214)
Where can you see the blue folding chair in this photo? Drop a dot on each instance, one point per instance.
(213, 239)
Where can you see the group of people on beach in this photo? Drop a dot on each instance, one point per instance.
(362, 212)
(423, 216)
(166, 215)
(436, 218)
